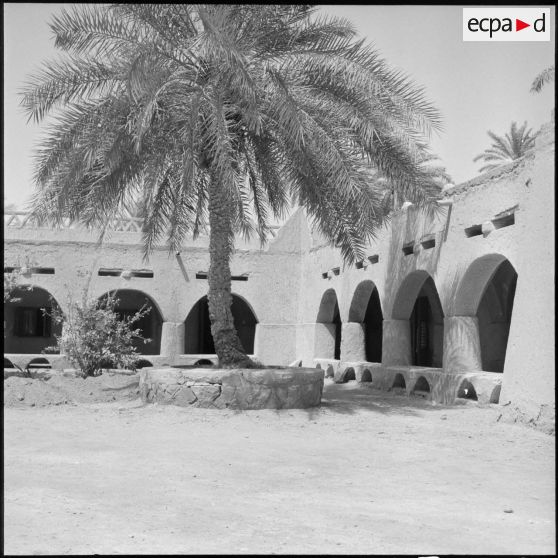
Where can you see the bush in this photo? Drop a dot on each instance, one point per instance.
(95, 337)
(11, 284)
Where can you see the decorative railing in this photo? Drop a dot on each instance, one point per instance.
(23, 220)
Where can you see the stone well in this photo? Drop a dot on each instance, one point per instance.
(267, 388)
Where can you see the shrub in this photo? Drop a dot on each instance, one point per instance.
(94, 336)
(11, 283)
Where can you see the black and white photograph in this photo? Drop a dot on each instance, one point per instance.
(279, 279)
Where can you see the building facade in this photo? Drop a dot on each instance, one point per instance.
(467, 288)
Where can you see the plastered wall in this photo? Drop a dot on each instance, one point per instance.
(286, 284)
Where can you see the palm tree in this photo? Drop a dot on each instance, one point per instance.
(223, 116)
(515, 144)
(546, 76)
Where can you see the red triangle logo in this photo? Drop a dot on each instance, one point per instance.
(519, 25)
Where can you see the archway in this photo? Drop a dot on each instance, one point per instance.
(487, 291)
(328, 313)
(418, 301)
(197, 327)
(29, 328)
(128, 302)
(366, 309)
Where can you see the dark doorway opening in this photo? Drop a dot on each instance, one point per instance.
(198, 338)
(28, 324)
(373, 320)
(337, 322)
(128, 302)
(494, 315)
(427, 327)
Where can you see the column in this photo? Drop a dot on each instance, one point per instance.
(462, 350)
(396, 343)
(352, 342)
(172, 338)
(324, 341)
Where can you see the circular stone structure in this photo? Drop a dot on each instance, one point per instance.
(240, 388)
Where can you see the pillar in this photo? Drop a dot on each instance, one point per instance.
(324, 341)
(396, 343)
(462, 350)
(172, 339)
(352, 342)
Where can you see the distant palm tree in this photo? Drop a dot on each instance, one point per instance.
(517, 143)
(546, 76)
(224, 115)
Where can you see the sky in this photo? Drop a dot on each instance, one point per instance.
(477, 86)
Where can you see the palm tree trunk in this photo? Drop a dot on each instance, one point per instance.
(228, 347)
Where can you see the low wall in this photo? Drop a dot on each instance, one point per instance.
(269, 388)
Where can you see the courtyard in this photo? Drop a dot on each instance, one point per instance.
(366, 472)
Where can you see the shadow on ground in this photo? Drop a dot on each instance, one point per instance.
(352, 397)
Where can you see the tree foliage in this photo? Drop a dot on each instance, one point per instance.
(504, 149)
(546, 76)
(225, 113)
(159, 100)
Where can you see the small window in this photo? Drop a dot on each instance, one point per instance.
(32, 322)
(43, 270)
(103, 272)
(10, 269)
(203, 275)
(408, 248)
(428, 244)
(146, 273)
(475, 230)
(374, 259)
(336, 270)
(504, 221)
(324, 275)
(359, 264)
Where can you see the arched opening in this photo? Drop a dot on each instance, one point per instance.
(203, 362)
(399, 383)
(128, 302)
(366, 376)
(366, 309)
(467, 391)
(142, 363)
(197, 327)
(418, 301)
(422, 387)
(348, 374)
(337, 323)
(39, 363)
(328, 313)
(29, 327)
(487, 291)
(427, 327)
(494, 315)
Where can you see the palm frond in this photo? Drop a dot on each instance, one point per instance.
(546, 76)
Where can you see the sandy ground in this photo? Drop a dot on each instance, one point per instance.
(367, 472)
